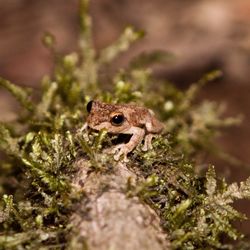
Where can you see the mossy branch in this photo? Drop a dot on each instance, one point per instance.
(42, 151)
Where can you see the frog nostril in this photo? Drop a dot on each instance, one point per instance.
(89, 106)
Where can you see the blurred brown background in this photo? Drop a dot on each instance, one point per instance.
(203, 35)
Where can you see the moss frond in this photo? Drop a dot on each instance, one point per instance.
(20, 93)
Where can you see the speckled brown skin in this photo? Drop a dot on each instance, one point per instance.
(138, 121)
(101, 114)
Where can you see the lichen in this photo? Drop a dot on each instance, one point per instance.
(40, 147)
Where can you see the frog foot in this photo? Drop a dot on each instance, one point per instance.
(120, 150)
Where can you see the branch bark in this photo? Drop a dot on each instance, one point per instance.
(107, 219)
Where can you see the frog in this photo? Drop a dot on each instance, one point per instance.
(137, 121)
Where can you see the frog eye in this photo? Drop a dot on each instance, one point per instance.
(89, 106)
(117, 119)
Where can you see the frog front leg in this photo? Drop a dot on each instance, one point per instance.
(147, 142)
(125, 148)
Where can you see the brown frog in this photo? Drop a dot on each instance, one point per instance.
(138, 121)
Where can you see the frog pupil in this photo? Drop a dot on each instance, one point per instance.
(117, 119)
(89, 106)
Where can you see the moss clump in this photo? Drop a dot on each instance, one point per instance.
(41, 146)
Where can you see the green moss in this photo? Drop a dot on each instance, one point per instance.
(41, 146)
